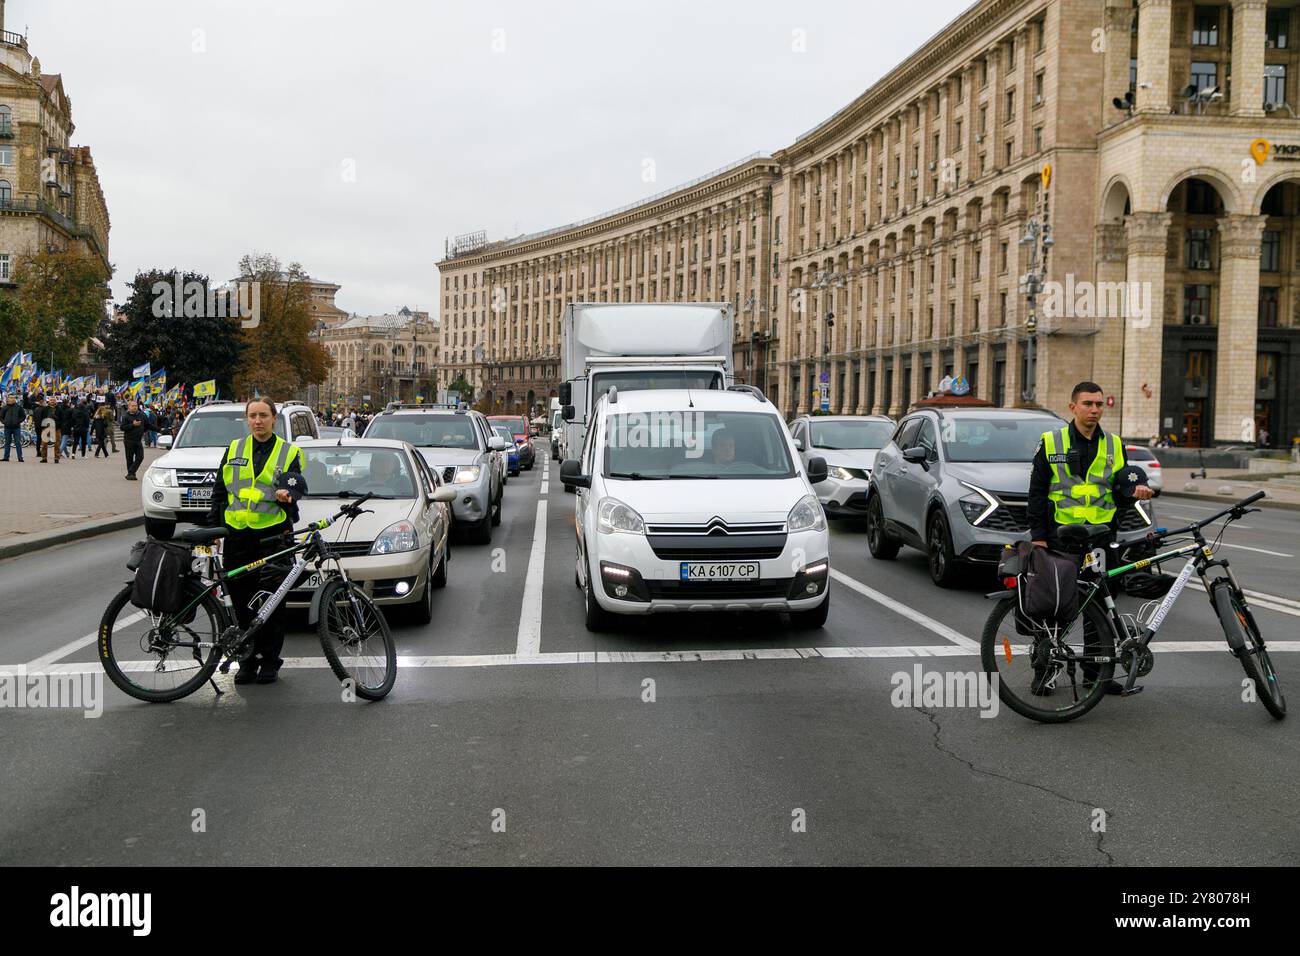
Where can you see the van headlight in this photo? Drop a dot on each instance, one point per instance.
(614, 517)
(166, 477)
(839, 473)
(806, 515)
(466, 474)
(399, 536)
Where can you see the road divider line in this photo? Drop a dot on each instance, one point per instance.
(562, 658)
(1242, 547)
(1269, 602)
(929, 623)
(528, 642)
(73, 646)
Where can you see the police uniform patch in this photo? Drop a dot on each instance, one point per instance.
(237, 462)
(1059, 459)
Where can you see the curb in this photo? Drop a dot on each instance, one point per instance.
(1267, 502)
(47, 539)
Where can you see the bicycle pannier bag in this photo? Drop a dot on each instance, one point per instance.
(159, 584)
(1048, 589)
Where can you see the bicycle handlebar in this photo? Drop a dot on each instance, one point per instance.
(1198, 525)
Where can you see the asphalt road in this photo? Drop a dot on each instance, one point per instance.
(762, 745)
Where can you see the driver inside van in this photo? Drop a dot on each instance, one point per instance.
(724, 447)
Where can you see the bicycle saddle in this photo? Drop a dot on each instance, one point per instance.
(1082, 535)
(201, 535)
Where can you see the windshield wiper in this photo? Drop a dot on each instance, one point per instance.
(634, 476)
(693, 477)
(357, 494)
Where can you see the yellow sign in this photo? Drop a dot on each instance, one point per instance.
(1259, 149)
(1047, 175)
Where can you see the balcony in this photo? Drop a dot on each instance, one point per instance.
(7, 130)
(14, 39)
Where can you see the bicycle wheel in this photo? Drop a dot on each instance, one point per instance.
(1248, 645)
(356, 640)
(155, 659)
(1039, 676)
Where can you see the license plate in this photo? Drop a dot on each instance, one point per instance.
(202, 551)
(308, 583)
(198, 494)
(694, 571)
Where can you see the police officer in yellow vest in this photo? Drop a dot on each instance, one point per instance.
(1074, 479)
(256, 499)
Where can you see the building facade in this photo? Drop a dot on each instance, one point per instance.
(50, 196)
(381, 358)
(886, 248)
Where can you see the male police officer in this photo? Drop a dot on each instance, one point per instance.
(1079, 472)
(256, 499)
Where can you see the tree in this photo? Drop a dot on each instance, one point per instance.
(280, 357)
(62, 294)
(462, 387)
(158, 330)
(13, 327)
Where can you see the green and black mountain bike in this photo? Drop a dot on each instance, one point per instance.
(164, 657)
(1059, 673)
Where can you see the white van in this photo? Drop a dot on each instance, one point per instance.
(697, 501)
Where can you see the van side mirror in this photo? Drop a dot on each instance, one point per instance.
(816, 470)
(566, 393)
(571, 475)
(569, 413)
(798, 444)
(164, 441)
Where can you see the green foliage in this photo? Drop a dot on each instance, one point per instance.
(13, 327)
(62, 295)
(280, 357)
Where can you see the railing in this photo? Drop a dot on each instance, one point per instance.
(14, 39)
(6, 130)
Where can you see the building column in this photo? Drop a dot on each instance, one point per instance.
(1147, 239)
(1153, 56)
(864, 400)
(1236, 358)
(1248, 39)
(1119, 25)
(1111, 268)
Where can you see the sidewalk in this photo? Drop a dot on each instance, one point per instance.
(36, 498)
(1222, 484)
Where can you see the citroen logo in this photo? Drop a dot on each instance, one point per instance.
(717, 526)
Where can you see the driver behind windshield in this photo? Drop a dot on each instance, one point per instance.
(724, 447)
(383, 469)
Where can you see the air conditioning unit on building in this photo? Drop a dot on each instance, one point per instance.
(1203, 264)
(933, 167)
(979, 137)
(915, 173)
(1198, 320)
(1270, 107)
(1038, 99)
(893, 184)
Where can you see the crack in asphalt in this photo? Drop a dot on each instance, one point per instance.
(1089, 805)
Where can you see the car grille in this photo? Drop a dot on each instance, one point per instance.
(718, 527)
(718, 548)
(856, 502)
(448, 474)
(1012, 517)
(1130, 520)
(352, 549)
(196, 478)
(773, 589)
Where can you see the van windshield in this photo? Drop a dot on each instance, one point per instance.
(217, 429)
(641, 446)
(627, 380)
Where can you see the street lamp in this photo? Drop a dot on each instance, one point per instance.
(1037, 235)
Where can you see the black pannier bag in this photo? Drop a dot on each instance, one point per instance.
(160, 579)
(1047, 592)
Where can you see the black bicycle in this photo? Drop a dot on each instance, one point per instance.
(1054, 674)
(164, 657)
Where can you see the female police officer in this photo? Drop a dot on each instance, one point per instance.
(256, 499)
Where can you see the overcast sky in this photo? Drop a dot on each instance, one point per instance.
(355, 138)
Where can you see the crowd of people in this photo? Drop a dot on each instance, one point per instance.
(77, 425)
(344, 417)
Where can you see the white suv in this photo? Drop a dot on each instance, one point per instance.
(697, 501)
(178, 486)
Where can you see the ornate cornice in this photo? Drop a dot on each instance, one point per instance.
(1148, 233)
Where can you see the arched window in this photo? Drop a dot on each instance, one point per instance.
(6, 191)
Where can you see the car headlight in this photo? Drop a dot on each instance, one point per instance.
(399, 536)
(162, 476)
(1137, 506)
(466, 474)
(843, 474)
(806, 515)
(614, 517)
(978, 506)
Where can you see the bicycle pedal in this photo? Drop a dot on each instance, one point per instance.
(1130, 693)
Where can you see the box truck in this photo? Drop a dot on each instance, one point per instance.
(634, 345)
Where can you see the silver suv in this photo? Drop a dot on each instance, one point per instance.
(954, 483)
(462, 447)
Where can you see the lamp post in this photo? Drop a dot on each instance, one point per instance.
(827, 280)
(1037, 236)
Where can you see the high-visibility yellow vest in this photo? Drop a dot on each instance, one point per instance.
(1087, 499)
(250, 498)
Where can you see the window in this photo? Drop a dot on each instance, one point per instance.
(6, 155)
(1270, 251)
(1205, 75)
(961, 89)
(984, 73)
(1010, 152)
(1038, 139)
(1198, 249)
(6, 121)
(1276, 29)
(1002, 259)
(1275, 83)
(956, 135)
(984, 119)
(1040, 40)
(4, 267)
(1011, 105)
(1196, 305)
(1205, 26)
(6, 191)
(1133, 74)
(1268, 307)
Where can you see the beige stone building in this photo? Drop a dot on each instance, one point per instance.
(388, 357)
(50, 195)
(1175, 158)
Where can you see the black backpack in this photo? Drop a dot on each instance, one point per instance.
(161, 576)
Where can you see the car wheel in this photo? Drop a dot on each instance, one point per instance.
(598, 619)
(879, 543)
(421, 612)
(808, 620)
(938, 549)
(159, 528)
(577, 564)
(480, 532)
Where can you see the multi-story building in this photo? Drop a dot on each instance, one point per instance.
(50, 195)
(909, 217)
(386, 357)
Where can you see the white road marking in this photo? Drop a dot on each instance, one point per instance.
(670, 657)
(929, 623)
(1242, 547)
(1266, 601)
(528, 643)
(73, 646)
